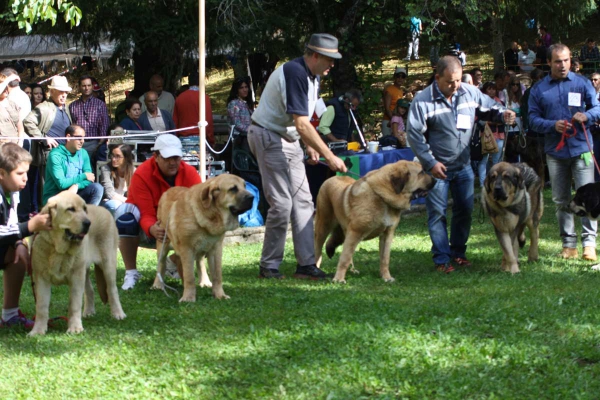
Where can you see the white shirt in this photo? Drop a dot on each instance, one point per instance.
(21, 99)
(157, 123)
(526, 60)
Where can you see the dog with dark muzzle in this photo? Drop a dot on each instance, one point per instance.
(586, 202)
(512, 198)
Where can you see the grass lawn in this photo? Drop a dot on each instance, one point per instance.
(474, 334)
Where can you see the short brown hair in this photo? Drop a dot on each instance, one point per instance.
(555, 48)
(11, 155)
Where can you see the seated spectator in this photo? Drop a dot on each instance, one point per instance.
(575, 66)
(97, 90)
(155, 119)
(501, 79)
(115, 177)
(151, 179)
(391, 95)
(10, 124)
(545, 36)
(166, 101)
(526, 58)
(26, 88)
(38, 96)
(399, 121)
(120, 113)
(511, 57)
(69, 168)
(133, 109)
(337, 125)
(14, 254)
(239, 110)
(467, 78)
(187, 111)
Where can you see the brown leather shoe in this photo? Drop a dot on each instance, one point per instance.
(589, 253)
(568, 253)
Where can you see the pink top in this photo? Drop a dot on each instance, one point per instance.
(396, 119)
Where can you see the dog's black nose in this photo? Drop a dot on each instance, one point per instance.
(86, 225)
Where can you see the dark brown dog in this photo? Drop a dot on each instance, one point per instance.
(512, 198)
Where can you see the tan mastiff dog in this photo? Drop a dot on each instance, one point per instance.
(195, 220)
(81, 235)
(353, 211)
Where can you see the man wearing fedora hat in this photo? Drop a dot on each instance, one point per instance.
(49, 119)
(281, 119)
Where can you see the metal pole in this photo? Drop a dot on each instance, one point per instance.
(201, 92)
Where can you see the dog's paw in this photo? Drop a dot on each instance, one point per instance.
(336, 280)
(354, 271)
(222, 296)
(37, 332)
(119, 315)
(74, 330)
(187, 298)
(205, 284)
(89, 313)
(389, 280)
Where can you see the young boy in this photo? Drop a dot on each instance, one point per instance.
(14, 254)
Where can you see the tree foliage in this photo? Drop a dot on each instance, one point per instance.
(27, 13)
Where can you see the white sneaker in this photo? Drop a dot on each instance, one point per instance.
(131, 278)
(172, 269)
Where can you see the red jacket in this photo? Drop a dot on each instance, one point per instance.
(187, 113)
(148, 185)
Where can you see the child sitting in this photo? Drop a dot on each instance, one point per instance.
(399, 121)
(14, 254)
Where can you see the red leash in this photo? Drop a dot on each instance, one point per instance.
(566, 136)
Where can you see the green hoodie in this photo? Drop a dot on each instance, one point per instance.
(63, 169)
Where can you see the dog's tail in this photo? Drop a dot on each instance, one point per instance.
(337, 238)
(101, 284)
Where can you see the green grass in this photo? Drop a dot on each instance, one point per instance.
(476, 334)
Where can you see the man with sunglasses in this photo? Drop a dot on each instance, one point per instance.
(69, 168)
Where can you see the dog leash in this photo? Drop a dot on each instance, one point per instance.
(158, 275)
(346, 162)
(566, 136)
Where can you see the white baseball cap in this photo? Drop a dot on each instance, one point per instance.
(168, 145)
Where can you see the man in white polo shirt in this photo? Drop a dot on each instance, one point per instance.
(526, 58)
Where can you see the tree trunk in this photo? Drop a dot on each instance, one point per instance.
(344, 74)
(497, 44)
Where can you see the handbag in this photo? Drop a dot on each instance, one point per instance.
(488, 142)
(475, 144)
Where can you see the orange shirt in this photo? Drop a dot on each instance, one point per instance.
(396, 94)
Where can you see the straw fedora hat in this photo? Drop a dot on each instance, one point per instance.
(60, 83)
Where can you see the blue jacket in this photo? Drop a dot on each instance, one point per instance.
(549, 102)
(430, 113)
(129, 125)
(166, 116)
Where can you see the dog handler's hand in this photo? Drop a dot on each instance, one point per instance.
(336, 164)
(313, 156)
(157, 232)
(22, 254)
(580, 117)
(41, 222)
(561, 124)
(509, 117)
(439, 171)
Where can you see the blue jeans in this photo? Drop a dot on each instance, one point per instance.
(92, 193)
(481, 168)
(496, 157)
(112, 205)
(460, 183)
(562, 172)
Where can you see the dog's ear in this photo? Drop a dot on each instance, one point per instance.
(591, 203)
(487, 184)
(210, 191)
(50, 207)
(399, 180)
(519, 181)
